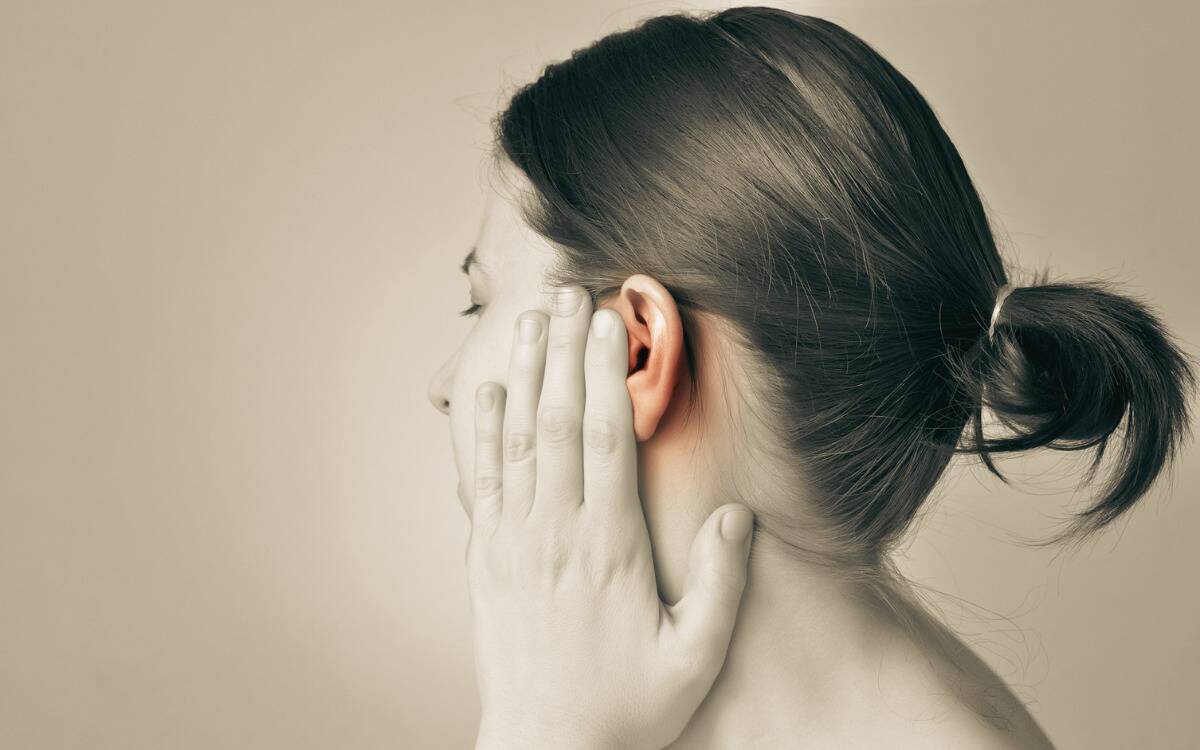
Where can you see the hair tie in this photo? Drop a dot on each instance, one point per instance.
(1005, 290)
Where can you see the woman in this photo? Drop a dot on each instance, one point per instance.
(815, 316)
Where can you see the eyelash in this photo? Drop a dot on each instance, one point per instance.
(472, 310)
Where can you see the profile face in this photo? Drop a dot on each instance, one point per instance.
(505, 279)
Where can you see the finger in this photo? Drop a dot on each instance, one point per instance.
(489, 459)
(560, 412)
(525, 368)
(717, 563)
(609, 445)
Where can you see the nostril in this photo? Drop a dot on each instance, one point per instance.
(441, 386)
(440, 402)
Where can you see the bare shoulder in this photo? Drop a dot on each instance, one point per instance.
(958, 727)
(918, 711)
(926, 698)
(936, 692)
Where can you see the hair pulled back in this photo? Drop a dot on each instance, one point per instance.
(774, 170)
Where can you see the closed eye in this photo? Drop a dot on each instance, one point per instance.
(472, 310)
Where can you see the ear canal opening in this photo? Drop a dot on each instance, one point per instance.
(642, 355)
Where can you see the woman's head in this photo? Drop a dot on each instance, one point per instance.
(772, 172)
(508, 268)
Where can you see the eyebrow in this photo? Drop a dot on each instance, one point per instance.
(467, 261)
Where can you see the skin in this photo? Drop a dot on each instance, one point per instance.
(573, 646)
(814, 661)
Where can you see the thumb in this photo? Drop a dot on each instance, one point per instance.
(717, 564)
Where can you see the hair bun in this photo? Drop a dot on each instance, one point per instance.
(1067, 364)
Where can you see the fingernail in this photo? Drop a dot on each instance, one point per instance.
(735, 525)
(602, 323)
(531, 328)
(566, 301)
(486, 398)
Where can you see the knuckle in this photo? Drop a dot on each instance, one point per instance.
(488, 484)
(555, 556)
(560, 343)
(519, 446)
(600, 435)
(557, 424)
(486, 438)
(606, 570)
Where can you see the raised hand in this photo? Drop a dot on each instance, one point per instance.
(573, 647)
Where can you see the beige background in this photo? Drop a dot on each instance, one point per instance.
(229, 243)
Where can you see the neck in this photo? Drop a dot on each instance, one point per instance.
(804, 646)
(808, 643)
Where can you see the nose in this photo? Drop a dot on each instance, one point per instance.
(439, 387)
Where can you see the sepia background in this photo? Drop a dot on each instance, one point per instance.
(228, 267)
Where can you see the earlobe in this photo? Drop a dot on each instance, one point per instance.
(655, 333)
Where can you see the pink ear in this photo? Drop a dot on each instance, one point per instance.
(656, 354)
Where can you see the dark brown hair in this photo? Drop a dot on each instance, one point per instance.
(774, 170)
